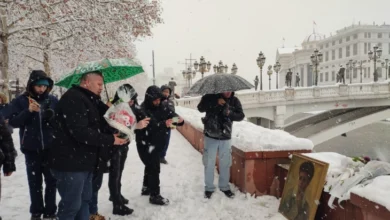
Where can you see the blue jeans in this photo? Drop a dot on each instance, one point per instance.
(41, 203)
(97, 180)
(75, 189)
(165, 149)
(224, 148)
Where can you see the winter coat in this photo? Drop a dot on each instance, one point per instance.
(81, 141)
(156, 131)
(217, 124)
(35, 127)
(7, 150)
(3, 108)
(168, 101)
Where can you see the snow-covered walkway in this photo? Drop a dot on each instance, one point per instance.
(181, 183)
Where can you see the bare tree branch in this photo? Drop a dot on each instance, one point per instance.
(28, 56)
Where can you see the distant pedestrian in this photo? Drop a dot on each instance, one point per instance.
(256, 82)
(289, 78)
(172, 84)
(341, 74)
(297, 80)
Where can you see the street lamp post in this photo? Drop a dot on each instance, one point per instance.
(374, 56)
(260, 62)
(386, 65)
(350, 66)
(316, 59)
(269, 72)
(202, 65)
(189, 75)
(220, 68)
(234, 69)
(277, 68)
(360, 66)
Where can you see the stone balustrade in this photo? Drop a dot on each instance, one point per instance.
(308, 94)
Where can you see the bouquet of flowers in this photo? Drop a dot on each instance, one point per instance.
(120, 115)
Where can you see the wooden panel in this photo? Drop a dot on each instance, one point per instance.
(371, 210)
(256, 174)
(237, 172)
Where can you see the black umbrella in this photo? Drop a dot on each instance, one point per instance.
(218, 83)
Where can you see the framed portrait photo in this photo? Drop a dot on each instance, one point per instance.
(303, 188)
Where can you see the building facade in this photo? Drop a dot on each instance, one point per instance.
(350, 43)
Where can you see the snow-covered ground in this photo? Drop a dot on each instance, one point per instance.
(181, 182)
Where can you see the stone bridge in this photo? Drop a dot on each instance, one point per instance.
(366, 103)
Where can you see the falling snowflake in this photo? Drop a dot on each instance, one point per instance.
(151, 148)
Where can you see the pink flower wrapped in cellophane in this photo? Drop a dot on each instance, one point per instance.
(121, 117)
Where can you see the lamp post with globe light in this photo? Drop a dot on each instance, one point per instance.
(277, 68)
(316, 59)
(260, 63)
(374, 56)
(351, 66)
(234, 69)
(269, 72)
(220, 68)
(203, 66)
(189, 75)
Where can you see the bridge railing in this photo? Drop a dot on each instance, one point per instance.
(302, 93)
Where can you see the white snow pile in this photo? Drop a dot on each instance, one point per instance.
(377, 191)
(345, 176)
(250, 137)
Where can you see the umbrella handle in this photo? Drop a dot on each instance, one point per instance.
(105, 88)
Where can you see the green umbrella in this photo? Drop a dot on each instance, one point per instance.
(112, 69)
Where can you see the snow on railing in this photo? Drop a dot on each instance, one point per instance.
(291, 94)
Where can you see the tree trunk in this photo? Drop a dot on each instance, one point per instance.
(4, 52)
(46, 63)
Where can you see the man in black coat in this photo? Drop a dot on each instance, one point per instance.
(151, 141)
(7, 152)
(77, 146)
(32, 113)
(221, 110)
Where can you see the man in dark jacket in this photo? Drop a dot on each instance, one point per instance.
(221, 110)
(151, 141)
(32, 112)
(167, 101)
(77, 144)
(7, 152)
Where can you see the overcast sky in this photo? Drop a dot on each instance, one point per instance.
(237, 30)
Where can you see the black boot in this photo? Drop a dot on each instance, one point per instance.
(123, 200)
(122, 210)
(208, 194)
(35, 217)
(163, 160)
(145, 191)
(229, 194)
(158, 200)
